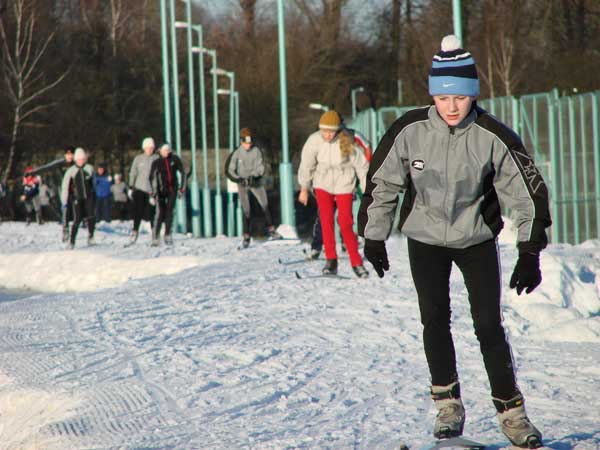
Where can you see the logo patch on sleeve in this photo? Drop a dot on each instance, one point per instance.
(418, 164)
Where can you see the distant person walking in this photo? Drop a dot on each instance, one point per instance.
(78, 191)
(103, 194)
(119, 197)
(165, 189)
(139, 183)
(245, 166)
(31, 196)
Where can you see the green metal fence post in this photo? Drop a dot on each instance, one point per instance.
(180, 203)
(218, 197)
(596, 147)
(574, 179)
(552, 100)
(584, 166)
(232, 145)
(238, 210)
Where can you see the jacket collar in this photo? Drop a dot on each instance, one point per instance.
(461, 128)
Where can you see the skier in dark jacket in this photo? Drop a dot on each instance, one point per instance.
(166, 186)
(103, 194)
(78, 191)
(455, 163)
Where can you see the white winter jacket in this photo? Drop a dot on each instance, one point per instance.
(322, 166)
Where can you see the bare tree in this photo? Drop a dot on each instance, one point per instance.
(23, 74)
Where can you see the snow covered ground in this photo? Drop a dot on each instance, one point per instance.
(201, 346)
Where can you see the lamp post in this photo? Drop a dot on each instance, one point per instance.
(165, 68)
(353, 96)
(285, 168)
(206, 202)
(238, 211)
(180, 203)
(457, 20)
(318, 106)
(231, 76)
(194, 194)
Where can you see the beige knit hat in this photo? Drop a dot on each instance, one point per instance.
(330, 120)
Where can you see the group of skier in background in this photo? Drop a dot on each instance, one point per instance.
(456, 164)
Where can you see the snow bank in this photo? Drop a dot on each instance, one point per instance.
(82, 271)
(25, 414)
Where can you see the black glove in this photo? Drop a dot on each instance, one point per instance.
(527, 273)
(377, 255)
(254, 181)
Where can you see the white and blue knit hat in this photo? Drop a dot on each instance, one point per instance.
(453, 70)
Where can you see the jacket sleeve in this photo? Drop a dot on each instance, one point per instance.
(361, 167)
(230, 168)
(64, 189)
(133, 172)
(260, 164)
(181, 169)
(153, 177)
(386, 178)
(308, 164)
(521, 188)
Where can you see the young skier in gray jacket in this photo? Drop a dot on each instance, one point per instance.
(245, 166)
(456, 164)
(139, 182)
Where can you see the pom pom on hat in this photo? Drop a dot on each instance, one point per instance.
(330, 120)
(450, 43)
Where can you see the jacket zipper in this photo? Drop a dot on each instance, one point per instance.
(450, 134)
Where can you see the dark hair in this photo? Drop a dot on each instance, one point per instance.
(69, 149)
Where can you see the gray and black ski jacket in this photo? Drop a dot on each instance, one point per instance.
(243, 164)
(455, 180)
(139, 174)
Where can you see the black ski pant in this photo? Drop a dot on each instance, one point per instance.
(120, 209)
(430, 266)
(260, 194)
(142, 209)
(165, 205)
(83, 209)
(67, 216)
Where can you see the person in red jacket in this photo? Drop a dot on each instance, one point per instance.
(31, 191)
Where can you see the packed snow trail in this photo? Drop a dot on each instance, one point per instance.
(212, 348)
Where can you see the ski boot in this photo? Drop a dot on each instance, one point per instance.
(450, 419)
(91, 241)
(155, 241)
(273, 235)
(168, 240)
(65, 236)
(515, 424)
(312, 254)
(360, 271)
(70, 245)
(331, 266)
(246, 241)
(134, 237)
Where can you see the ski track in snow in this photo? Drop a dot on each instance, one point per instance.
(231, 351)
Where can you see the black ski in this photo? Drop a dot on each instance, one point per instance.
(335, 277)
(290, 262)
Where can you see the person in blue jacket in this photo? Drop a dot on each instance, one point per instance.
(103, 194)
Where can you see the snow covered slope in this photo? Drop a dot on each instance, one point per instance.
(202, 346)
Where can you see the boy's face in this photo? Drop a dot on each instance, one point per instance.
(453, 108)
(327, 135)
(246, 145)
(69, 157)
(164, 151)
(100, 171)
(80, 162)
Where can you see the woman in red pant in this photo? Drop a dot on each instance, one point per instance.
(330, 165)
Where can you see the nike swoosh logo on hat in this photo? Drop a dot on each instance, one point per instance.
(448, 84)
